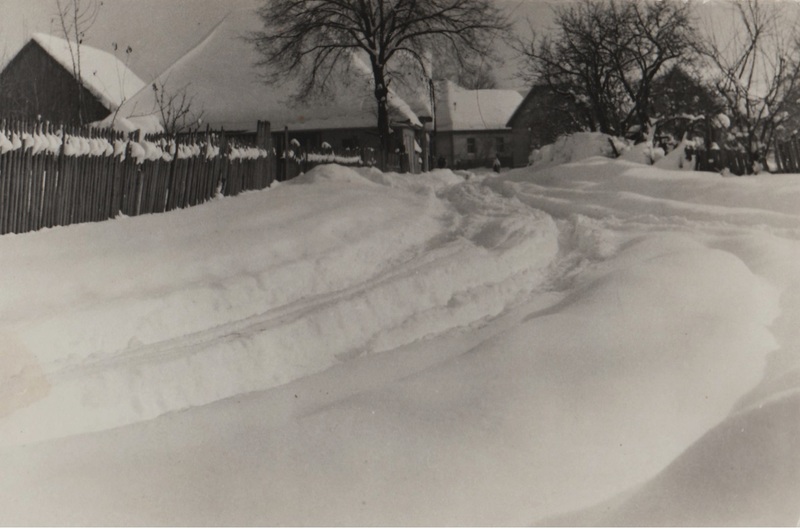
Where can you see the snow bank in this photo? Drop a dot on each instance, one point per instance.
(193, 306)
(677, 159)
(595, 343)
(643, 153)
(572, 147)
(750, 461)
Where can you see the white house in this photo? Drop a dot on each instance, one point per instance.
(471, 125)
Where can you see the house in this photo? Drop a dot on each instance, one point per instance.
(227, 91)
(39, 81)
(471, 125)
(541, 117)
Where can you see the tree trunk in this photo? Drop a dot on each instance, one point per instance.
(382, 99)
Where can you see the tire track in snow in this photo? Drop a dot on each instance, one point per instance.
(492, 252)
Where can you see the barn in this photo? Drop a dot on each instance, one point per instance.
(39, 82)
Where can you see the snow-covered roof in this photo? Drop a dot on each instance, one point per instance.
(147, 124)
(104, 74)
(460, 109)
(221, 76)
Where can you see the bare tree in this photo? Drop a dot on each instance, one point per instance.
(76, 18)
(755, 68)
(606, 54)
(315, 39)
(176, 108)
(122, 73)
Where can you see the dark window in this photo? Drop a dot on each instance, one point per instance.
(471, 146)
(500, 145)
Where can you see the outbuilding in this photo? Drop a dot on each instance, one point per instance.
(40, 82)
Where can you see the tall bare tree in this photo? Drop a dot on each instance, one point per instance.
(313, 39)
(606, 54)
(76, 17)
(754, 65)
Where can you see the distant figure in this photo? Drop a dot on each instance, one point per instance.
(441, 163)
(496, 165)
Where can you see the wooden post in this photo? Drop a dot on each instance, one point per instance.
(285, 153)
(426, 166)
(264, 141)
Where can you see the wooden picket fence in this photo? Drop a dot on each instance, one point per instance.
(54, 188)
(787, 155)
(737, 162)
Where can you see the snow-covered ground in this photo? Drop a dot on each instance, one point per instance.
(599, 343)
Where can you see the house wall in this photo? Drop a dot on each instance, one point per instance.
(542, 117)
(454, 146)
(34, 84)
(521, 145)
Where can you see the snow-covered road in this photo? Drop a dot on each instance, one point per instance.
(593, 343)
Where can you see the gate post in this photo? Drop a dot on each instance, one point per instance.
(264, 141)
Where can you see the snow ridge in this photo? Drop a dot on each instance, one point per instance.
(124, 356)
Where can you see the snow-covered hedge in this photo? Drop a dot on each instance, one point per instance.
(582, 145)
(334, 158)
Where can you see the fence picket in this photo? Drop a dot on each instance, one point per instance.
(58, 187)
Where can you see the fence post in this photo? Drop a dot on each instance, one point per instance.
(426, 166)
(264, 141)
(791, 151)
(286, 152)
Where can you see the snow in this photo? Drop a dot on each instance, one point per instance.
(459, 109)
(220, 76)
(721, 121)
(104, 75)
(147, 124)
(599, 342)
(643, 153)
(574, 147)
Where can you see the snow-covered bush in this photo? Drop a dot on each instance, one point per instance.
(573, 147)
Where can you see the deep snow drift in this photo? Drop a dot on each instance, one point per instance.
(593, 343)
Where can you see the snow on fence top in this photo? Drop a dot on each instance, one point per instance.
(48, 139)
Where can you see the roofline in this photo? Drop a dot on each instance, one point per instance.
(25, 46)
(291, 130)
(82, 85)
(519, 107)
(149, 84)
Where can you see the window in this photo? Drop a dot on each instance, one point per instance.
(471, 149)
(500, 145)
